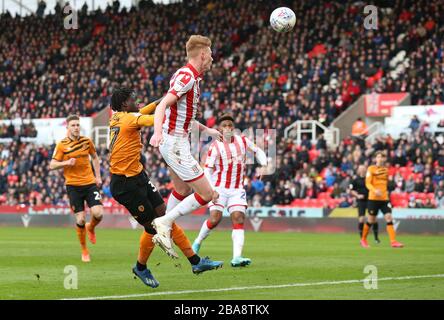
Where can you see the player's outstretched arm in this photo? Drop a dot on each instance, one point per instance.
(210, 131)
(55, 164)
(260, 155)
(167, 101)
(145, 120)
(150, 108)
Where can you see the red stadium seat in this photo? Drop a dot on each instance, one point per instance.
(395, 202)
(324, 195)
(392, 171)
(395, 196)
(297, 202)
(405, 172)
(403, 204)
(422, 196)
(416, 176)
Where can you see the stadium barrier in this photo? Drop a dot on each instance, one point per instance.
(398, 213)
(411, 221)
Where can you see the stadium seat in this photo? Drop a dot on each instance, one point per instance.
(404, 196)
(422, 196)
(324, 195)
(392, 171)
(297, 202)
(396, 202)
(401, 204)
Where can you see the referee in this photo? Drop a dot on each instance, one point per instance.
(360, 192)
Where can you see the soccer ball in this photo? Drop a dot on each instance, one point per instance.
(282, 19)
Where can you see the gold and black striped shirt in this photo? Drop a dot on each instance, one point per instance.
(81, 174)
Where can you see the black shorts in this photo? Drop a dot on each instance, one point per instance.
(138, 195)
(79, 194)
(362, 206)
(374, 206)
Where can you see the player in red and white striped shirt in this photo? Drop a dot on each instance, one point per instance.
(173, 120)
(225, 167)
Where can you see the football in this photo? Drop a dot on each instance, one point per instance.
(282, 19)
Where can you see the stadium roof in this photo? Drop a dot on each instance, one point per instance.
(25, 7)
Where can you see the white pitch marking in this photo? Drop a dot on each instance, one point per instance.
(167, 293)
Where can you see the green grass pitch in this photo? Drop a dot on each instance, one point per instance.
(32, 263)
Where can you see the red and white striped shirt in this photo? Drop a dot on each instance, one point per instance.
(184, 84)
(228, 161)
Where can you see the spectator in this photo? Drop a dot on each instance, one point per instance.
(321, 144)
(438, 176)
(440, 199)
(41, 8)
(428, 185)
(359, 129)
(268, 201)
(258, 185)
(428, 204)
(439, 187)
(347, 201)
(414, 123)
(10, 131)
(418, 167)
(410, 185)
(336, 193)
(419, 204)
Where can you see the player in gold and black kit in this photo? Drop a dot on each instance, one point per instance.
(82, 183)
(378, 199)
(131, 187)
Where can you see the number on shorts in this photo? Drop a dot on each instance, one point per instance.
(97, 195)
(243, 196)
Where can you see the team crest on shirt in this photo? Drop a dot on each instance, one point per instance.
(181, 82)
(141, 208)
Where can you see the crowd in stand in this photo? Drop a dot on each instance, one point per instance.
(312, 73)
(26, 130)
(416, 167)
(266, 80)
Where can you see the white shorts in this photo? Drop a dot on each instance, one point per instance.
(177, 154)
(232, 199)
